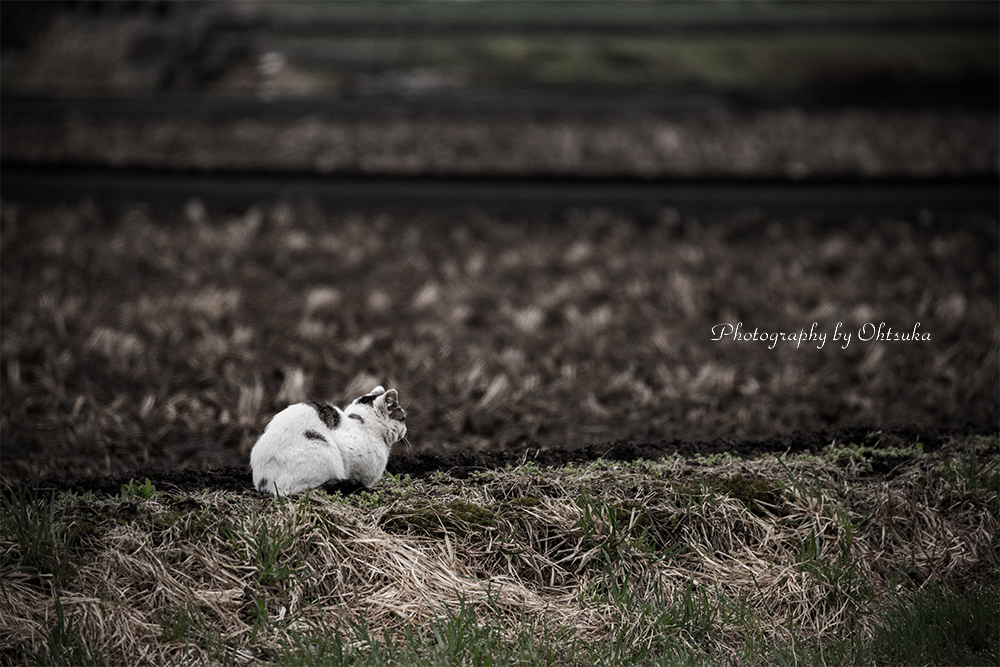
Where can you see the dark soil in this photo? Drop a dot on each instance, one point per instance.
(167, 338)
(238, 479)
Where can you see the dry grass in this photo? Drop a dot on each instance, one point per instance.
(808, 550)
(155, 336)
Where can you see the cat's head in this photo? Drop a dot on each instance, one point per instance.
(383, 409)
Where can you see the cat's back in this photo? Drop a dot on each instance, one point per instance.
(298, 414)
(285, 425)
(297, 449)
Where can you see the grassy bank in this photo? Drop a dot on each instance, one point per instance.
(861, 555)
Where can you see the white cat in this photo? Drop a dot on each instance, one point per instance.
(308, 444)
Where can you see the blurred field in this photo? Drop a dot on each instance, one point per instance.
(170, 337)
(816, 51)
(164, 336)
(785, 143)
(768, 65)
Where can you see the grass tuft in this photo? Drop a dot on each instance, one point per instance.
(940, 627)
(135, 491)
(64, 643)
(36, 535)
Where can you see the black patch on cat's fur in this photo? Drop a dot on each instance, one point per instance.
(365, 400)
(327, 413)
(262, 487)
(313, 435)
(358, 417)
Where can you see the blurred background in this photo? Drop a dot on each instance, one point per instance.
(750, 89)
(938, 53)
(525, 215)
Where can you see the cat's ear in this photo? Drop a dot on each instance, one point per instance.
(377, 391)
(387, 401)
(390, 403)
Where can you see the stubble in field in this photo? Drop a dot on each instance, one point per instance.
(171, 337)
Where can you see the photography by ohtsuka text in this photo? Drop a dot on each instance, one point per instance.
(867, 332)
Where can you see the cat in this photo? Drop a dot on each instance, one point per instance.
(308, 444)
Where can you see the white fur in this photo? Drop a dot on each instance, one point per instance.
(285, 460)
